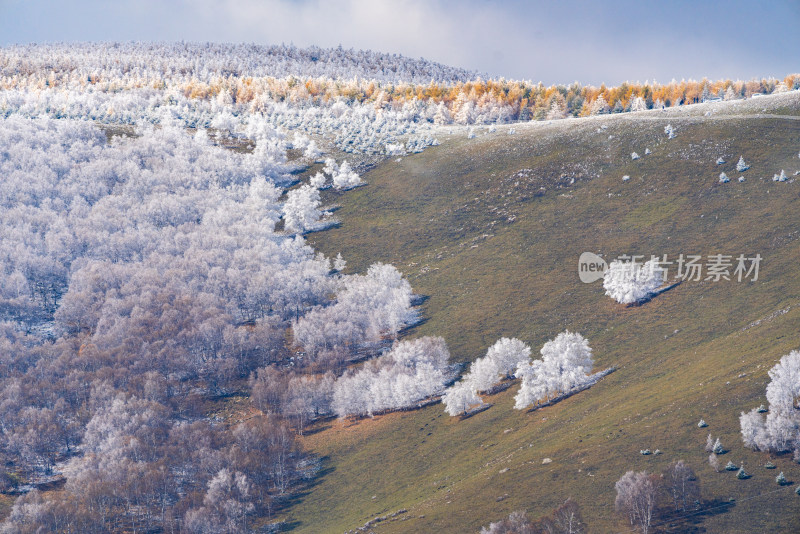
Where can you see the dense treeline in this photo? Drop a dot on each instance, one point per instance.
(142, 277)
(362, 101)
(251, 74)
(150, 63)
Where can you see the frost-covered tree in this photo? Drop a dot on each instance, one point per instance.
(630, 282)
(599, 106)
(713, 461)
(636, 498)
(312, 151)
(483, 374)
(486, 372)
(565, 365)
(225, 506)
(780, 431)
(318, 180)
(500, 361)
(442, 116)
(367, 308)
(557, 110)
(346, 177)
(741, 166)
(638, 104)
(339, 263)
(342, 176)
(465, 112)
(682, 485)
(508, 353)
(709, 443)
(411, 372)
(460, 398)
(301, 211)
(395, 149)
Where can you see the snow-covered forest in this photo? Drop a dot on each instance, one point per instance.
(140, 274)
(148, 269)
(360, 101)
(154, 264)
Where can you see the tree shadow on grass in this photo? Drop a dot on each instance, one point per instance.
(475, 411)
(287, 502)
(316, 429)
(287, 526)
(690, 521)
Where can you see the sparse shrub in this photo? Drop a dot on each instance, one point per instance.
(395, 149)
(742, 474)
(713, 461)
(742, 166)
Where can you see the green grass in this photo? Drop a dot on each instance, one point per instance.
(497, 253)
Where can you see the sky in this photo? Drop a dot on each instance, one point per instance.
(556, 41)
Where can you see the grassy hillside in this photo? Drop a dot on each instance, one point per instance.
(491, 230)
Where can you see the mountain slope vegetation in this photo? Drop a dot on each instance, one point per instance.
(205, 261)
(490, 229)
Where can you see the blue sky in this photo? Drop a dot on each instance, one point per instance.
(553, 42)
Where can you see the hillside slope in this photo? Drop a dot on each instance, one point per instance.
(491, 229)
